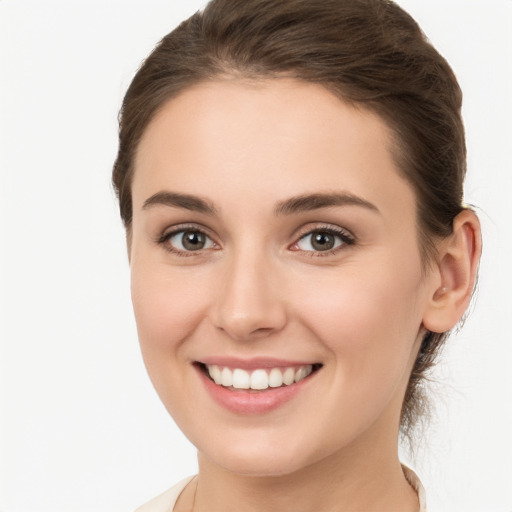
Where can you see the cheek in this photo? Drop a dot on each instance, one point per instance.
(368, 316)
(369, 321)
(167, 309)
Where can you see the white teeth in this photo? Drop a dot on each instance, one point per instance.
(215, 374)
(227, 377)
(299, 375)
(303, 372)
(275, 378)
(241, 379)
(259, 379)
(289, 376)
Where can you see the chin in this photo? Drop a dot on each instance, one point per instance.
(258, 466)
(258, 459)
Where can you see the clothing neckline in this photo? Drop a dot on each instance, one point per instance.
(166, 501)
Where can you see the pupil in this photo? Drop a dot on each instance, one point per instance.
(193, 241)
(322, 241)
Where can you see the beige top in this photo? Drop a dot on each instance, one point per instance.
(165, 502)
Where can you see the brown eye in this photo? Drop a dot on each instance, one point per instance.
(187, 241)
(193, 240)
(322, 240)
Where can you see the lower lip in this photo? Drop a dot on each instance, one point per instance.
(246, 401)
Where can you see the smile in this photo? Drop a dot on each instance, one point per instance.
(255, 386)
(258, 379)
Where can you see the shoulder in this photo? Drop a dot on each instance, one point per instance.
(415, 483)
(165, 502)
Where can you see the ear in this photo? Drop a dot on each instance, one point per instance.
(454, 274)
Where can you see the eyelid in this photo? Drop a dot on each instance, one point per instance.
(346, 237)
(171, 231)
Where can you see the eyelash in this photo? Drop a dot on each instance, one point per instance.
(345, 237)
(166, 236)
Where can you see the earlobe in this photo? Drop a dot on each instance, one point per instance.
(456, 270)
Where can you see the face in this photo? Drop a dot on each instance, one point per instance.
(277, 281)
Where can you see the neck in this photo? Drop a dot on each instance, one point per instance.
(356, 478)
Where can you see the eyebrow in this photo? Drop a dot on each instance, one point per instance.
(178, 200)
(296, 204)
(308, 202)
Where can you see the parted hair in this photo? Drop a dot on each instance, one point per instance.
(370, 53)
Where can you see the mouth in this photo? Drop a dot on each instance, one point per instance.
(258, 379)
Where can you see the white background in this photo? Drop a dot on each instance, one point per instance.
(81, 429)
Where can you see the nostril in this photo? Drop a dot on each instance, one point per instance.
(242, 330)
(262, 331)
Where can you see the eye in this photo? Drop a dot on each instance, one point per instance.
(188, 241)
(323, 240)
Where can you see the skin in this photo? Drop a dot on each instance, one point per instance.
(259, 288)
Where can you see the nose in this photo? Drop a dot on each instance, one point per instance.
(249, 303)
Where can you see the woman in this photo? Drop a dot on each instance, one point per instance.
(290, 178)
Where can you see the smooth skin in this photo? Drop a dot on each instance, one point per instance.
(235, 153)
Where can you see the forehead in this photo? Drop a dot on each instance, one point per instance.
(272, 138)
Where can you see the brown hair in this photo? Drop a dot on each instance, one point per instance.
(368, 52)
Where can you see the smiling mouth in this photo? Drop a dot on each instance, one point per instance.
(260, 379)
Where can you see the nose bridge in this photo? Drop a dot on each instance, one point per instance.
(249, 303)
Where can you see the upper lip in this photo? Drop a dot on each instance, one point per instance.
(253, 363)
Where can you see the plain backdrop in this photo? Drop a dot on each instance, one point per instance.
(81, 428)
